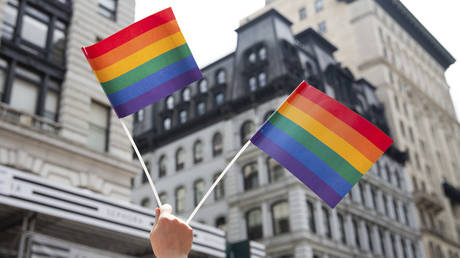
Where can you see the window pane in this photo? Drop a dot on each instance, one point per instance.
(170, 102)
(58, 44)
(180, 199)
(219, 99)
(98, 124)
(183, 116)
(163, 198)
(221, 77)
(263, 53)
(198, 191)
(167, 123)
(109, 4)
(186, 94)
(51, 105)
(252, 84)
(24, 96)
(96, 137)
(302, 13)
(2, 82)
(9, 21)
(203, 86)
(34, 31)
(201, 108)
(252, 57)
(262, 79)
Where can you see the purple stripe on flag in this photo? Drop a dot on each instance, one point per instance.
(305, 175)
(158, 92)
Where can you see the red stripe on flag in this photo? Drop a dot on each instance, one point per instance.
(360, 124)
(129, 33)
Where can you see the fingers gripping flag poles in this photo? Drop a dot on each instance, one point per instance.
(142, 64)
(327, 146)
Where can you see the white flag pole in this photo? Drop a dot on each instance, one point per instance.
(246, 145)
(141, 160)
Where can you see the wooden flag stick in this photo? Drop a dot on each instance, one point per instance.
(141, 160)
(246, 145)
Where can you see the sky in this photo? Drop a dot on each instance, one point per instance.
(209, 27)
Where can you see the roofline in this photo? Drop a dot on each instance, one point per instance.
(311, 33)
(415, 28)
(262, 16)
(218, 60)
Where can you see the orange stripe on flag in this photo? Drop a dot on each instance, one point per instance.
(354, 138)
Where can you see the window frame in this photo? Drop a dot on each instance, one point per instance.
(249, 179)
(196, 159)
(180, 165)
(215, 150)
(113, 12)
(259, 227)
(277, 229)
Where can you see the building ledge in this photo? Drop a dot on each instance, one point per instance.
(429, 202)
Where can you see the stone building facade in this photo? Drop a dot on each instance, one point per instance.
(189, 137)
(383, 42)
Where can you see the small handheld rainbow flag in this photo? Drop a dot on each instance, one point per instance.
(323, 143)
(143, 63)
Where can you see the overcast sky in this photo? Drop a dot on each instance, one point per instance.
(209, 27)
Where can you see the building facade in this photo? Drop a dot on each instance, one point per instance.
(383, 42)
(55, 122)
(189, 137)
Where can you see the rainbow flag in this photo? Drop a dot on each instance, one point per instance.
(143, 63)
(323, 143)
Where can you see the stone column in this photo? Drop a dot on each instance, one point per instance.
(355, 193)
(335, 225)
(298, 209)
(319, 218)
(390, 207)
(236, 226)
(303, 250)
(387, 244)
(399, 248)
(349, 230)
(378, 243)
(363, 237)
(409, 252)
(262, 170)
(413, 221)
(379, 201)
(401, 212)
(267, 225)
(367, 196)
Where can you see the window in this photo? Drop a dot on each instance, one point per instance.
(302, 13)
(198, 191)
(163, 197)
(341, 222)
(170, 102)
(35, 27)
(98, 133)
(180, 159)
(180, 199)
(197, 152)
(217, 145)
(280, 213)
(263, 54)
(221, 223)
(183, 114)
(219, 98)
(58, 42)
(203, 86)
(250, 176)
(311, 216)
(219, 191)
(24, 95)
(275, 170)
(9, 19)
(221, 77)
(145, 202)
(144, 177)
(319, 5)
(247, 129)
(162, 166)
(369, 238)
(107, 8)
(252, 84)
(327, 223)
(322, 27)
(139, 116)
(201, 108)
(395, 208)
(356, 230)
(186, 95)
(254, 224)
(262, 80)
(252, 57)
(167, 123)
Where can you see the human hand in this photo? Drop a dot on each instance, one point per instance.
(170, 236)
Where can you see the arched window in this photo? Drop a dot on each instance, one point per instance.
(145, 202)
(250, 176)
(221, 223)
(183, 116)
(198, 191)
(180, 159)
(201, 108)
(221, 77)
(311, 216)
(219, 98)
(217, 145)
(327, 222)
(170, 102)
(262, 79)
(275, 170)
(268, 114)
(144, 177)
(167, 123)
(163, 197)
(252, 84)
(219, 191)
(197, 151)
(186, 94)
(203, 86)
(246, 131)
(280, 213)
(254, 224)
(162, 166)
(262, 53)
(252, 57)
(180, 199)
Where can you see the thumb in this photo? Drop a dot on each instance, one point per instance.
(165, 210)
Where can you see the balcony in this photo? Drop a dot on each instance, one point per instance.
(27, 120)
(428, 202)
